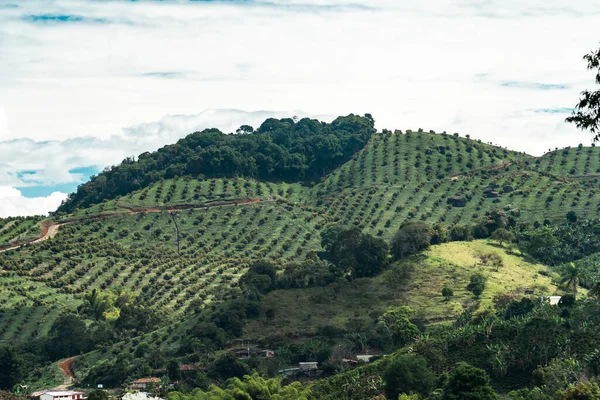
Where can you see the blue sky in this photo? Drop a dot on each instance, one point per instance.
(86, 83)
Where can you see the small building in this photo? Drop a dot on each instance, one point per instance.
(187, 367)
(143, 383)
(364, 357)
(244, 353)
(553, 300)
(305, 368)
(308, 366)
(60, 395)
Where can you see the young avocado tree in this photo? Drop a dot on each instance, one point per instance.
(447, 293)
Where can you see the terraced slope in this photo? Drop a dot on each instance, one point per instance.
(168, 258)
(18, 229)
(185, 239)
(446, 179)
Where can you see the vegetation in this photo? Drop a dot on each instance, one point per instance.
(299, 241)
(280, 150)
(587, 115)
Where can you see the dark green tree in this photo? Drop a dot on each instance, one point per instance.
(10, 368)
(68, 336)
(98, 395)
(586, 115)
(477, 284)
(408, 374)
(355, 252)
(411, 238)
(467, 382)
(173, 370)
(447, 293)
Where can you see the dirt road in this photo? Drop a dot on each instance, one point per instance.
(65, 367)
(49, 231)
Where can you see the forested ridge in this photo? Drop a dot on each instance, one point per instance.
(279, 150)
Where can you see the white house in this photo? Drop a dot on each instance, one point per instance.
(364, 357)
(61, 395)
(143, 383)
(308, 366)
(553, 300)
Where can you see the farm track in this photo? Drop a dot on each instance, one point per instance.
(65, 368)
(50, 230)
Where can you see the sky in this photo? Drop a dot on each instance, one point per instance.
(86, 83)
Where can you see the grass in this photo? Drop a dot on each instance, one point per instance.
(416, 282)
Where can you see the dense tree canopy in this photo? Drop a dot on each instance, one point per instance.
(279, 150)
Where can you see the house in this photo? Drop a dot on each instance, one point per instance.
(553, 300)
(308, 368)
(58, 395)
(364, 357)
(243, 353)
(187, 367)
(143, 383)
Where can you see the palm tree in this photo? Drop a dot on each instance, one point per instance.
(570, 277)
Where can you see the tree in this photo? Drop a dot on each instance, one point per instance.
(249, 387)
(502, 236)
(467, 382)
(173, 370)
(98, 395)
(570, 277)
(571, 216)
(355, 252)
(68, 336)
(408, 374)
(396, 323)
(586, 115)
(411, 238)
(477, 284)
(447, 292)
(10, 369)
(581, 391)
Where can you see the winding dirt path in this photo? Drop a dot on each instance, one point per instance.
(49, 231)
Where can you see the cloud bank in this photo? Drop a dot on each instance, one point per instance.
(28, 163)
(74, 73)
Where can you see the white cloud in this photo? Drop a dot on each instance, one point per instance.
(67, 89)
(12, 203)
(25, 162)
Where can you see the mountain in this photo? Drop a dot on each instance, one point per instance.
(148, 249)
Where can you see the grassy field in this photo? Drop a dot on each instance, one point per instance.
(416, 282)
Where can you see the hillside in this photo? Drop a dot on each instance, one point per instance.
(396, 178)
(416, 282)
(172, 249)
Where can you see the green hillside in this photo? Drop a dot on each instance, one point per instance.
(395, 179)
(175, 247)
(416, 282)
